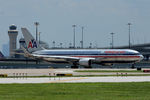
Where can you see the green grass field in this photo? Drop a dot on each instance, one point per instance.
(76, 91)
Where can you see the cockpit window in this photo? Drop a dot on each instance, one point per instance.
(137, 53)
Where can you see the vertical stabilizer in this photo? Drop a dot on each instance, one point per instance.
(31, 43)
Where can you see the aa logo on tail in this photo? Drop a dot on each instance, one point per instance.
(32, 44)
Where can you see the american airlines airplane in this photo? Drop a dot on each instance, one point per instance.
(76, 57)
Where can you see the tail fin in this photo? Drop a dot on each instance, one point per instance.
(31, 43)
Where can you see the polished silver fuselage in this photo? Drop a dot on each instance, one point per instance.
(97, 55)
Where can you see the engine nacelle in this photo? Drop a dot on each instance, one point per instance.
(85, 62)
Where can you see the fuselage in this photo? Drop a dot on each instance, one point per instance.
(99, 55)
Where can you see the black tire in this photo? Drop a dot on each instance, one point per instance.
(74, 67)
(133, 66)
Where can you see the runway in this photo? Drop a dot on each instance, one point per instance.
(53, 72)
(75, 79)
(24, 76)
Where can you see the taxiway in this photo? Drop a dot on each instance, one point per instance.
(23, 76)
(75, 79)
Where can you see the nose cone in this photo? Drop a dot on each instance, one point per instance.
(141, 57)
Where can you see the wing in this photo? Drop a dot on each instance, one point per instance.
(56, 58)
(69, 59)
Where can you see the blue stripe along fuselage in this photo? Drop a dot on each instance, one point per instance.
(85, 52)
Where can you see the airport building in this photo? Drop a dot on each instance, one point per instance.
(12, 32)
(13, 51)
(22, 43)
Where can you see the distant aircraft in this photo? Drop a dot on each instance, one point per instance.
(1, 55)
(76, 57)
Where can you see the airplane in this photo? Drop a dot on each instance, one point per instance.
(78, 57)
(1, 55)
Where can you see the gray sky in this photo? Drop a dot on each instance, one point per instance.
(99, 17)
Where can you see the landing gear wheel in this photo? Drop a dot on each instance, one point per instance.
(74, 66)
(88, 67)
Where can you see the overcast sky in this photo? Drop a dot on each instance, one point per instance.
(99, 17)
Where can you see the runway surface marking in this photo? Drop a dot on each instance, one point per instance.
(67, 80)
(75, 79)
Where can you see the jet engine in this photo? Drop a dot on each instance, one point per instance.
(85, 62)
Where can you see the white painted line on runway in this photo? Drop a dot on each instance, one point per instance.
(75, 79)
(68, 80)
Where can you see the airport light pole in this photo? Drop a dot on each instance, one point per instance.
(70, 45)
(39, 37)
(74, 26)
(53, 44)
(82, 37)
(36, 25)
(90, 45)
(110, 42)
(112, 39)
(129, 24)
(61, 45)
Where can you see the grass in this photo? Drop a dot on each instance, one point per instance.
(76, 91)
(111, 71)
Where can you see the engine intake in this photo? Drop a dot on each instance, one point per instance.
(85, 62)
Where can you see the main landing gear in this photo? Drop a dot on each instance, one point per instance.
(133, 66)
(75, 66)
